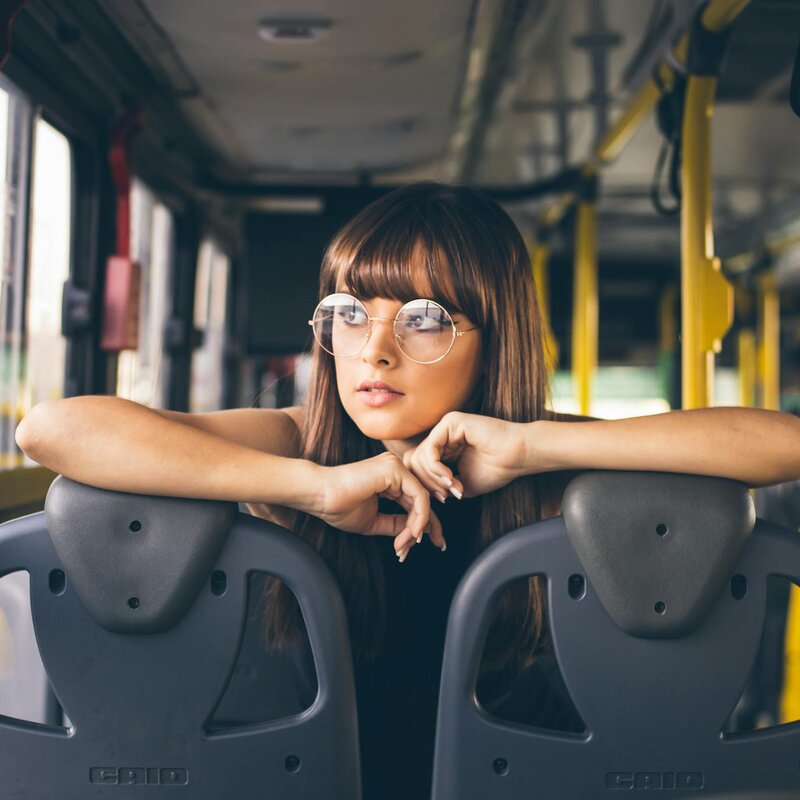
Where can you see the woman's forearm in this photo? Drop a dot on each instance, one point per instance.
(116, 444)
(755, 446)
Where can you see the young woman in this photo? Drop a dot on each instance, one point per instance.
(425, 429)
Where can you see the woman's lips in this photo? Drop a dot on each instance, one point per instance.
(378, 397)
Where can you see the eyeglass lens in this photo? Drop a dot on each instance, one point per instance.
(423, 329)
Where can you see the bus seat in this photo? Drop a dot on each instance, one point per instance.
(656, 601)
(24, 689)
(138, 604)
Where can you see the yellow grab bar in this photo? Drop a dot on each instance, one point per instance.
(748, 370)
(584, 304)
(707, 297)
(540, 255)
(769, 332)
(717, 15)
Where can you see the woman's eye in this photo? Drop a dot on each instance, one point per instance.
(351, 316)
(423, 322)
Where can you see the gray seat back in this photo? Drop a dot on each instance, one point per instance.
(138, 605)
(656, 597)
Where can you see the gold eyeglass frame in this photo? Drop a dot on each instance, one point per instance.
(456, 331)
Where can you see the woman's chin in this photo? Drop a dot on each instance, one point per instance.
(386, 430)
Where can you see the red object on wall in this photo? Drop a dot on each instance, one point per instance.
(123, 276)
(121, 305)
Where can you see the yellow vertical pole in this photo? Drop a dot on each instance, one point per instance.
(748, 371)
(769, 367)
(584, 303)
(540, 255)
(769, 331)
(707, 298)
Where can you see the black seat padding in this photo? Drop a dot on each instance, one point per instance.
(656, 596)
(139, 640)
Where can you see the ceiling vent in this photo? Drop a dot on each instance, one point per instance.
(292, 30)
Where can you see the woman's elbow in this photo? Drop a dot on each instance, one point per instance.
(30, 432)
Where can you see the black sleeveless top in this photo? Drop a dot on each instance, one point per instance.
(398, 693)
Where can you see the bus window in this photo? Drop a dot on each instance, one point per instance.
(210, 305)
(139, 373)
(618, 391)
(15, 121)
(51, 216)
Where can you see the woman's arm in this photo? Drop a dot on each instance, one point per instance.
(471, 454)
(751, 445)
(120, 445)
(116, 444)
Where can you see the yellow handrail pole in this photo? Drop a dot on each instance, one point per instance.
(697, 246)
(748, 372)
(716, 16)
(540, 254)
(769, 369)
(707, 298)
(552, 215)
(642, 105)
(746, 346)
(769, 331)
(584, 304)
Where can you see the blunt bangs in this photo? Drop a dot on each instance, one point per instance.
(403, 247)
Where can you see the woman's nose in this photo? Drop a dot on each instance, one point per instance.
(381, 346)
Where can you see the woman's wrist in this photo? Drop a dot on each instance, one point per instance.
(543, 447)
(295, 482)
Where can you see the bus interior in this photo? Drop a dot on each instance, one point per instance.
(170, 175)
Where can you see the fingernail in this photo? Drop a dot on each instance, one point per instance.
(441, 497)
(402, 558)
(455, 492)
(444, 547)
(419, 539)
(447, 480)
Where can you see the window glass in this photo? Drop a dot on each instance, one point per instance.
(51, 217)
(15, 121)
(617, 392)
(139, 373)
(210, 306)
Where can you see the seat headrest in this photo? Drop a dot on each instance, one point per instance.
(657, 547)
(136, 562)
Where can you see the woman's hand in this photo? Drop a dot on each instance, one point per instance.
(350, 495)
(487, 453)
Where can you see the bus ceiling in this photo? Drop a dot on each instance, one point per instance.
(289, 114)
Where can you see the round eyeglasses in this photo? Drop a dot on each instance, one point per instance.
(423, 330)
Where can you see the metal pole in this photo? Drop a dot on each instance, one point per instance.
(707, 298)
(769, 325)
(540, 255)
(585, 305)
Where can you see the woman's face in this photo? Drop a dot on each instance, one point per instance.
(426, 392)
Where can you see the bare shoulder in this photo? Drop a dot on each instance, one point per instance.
(296, 414)
(272, 430)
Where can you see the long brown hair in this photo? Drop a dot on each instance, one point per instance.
(476, 263)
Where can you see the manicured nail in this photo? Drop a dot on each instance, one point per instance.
(441, 497)
(455, 492)
(402, 558)
(444, 547)
(419, 539)
(446, 480)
